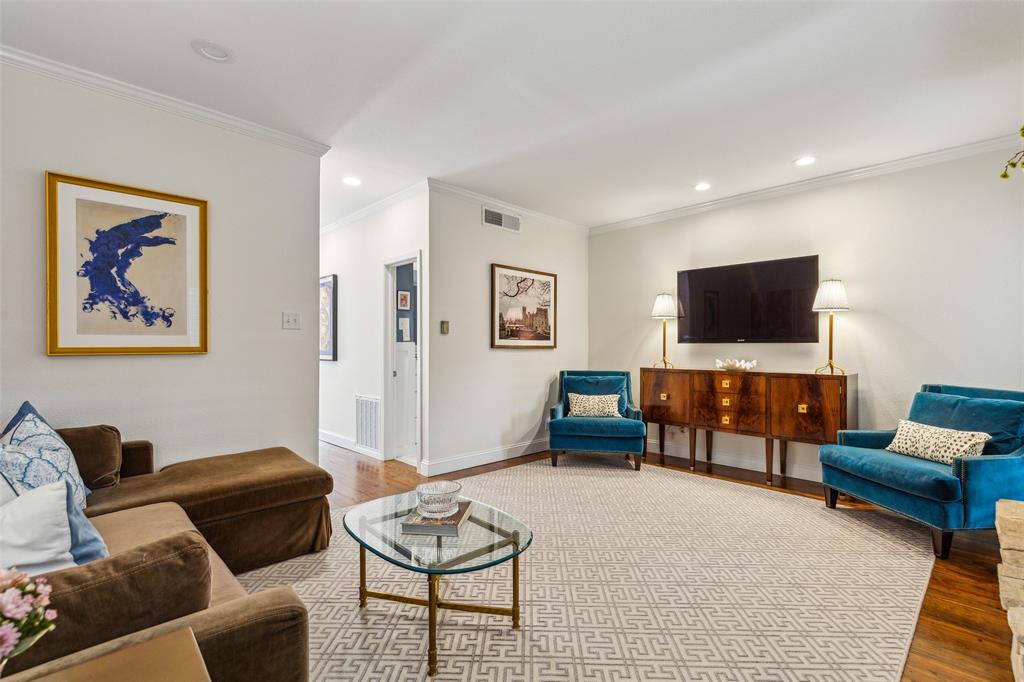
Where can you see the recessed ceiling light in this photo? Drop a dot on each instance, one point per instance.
(352, 181)
(212, 51)
(702, 186)
(805, 160)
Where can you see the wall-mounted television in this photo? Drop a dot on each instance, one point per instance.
(764, 302)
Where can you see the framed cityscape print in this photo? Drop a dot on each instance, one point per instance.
(125, 270)
(524, 311)
(329, 317)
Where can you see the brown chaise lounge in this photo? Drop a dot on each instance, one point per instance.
(176, 537)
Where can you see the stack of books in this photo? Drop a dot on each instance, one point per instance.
(414, 524)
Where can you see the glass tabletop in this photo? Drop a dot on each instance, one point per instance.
(487, 537)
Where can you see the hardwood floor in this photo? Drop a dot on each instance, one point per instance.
(961, 635)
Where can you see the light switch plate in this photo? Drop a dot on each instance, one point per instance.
(291, 320)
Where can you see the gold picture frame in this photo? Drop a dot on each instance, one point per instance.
(118, 318)
(536, 324)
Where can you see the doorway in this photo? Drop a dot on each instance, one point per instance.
(401, 423)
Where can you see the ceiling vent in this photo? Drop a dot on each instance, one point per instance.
(505, 221)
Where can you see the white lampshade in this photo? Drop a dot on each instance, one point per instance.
(664, 307)
(831, 297)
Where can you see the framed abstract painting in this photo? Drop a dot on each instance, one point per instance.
(523, 308)
(329, 317)
(125, 270)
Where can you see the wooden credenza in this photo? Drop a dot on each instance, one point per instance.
(806, 408)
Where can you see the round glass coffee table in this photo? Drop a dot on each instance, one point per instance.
(487, 537)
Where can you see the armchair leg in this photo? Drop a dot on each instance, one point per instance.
(554, 458)
(831, 496)
(636, 461)
(942, 540)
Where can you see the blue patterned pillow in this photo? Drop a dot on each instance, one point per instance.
(32, 454)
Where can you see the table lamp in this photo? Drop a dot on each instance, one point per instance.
(831, 299)
(664, 309)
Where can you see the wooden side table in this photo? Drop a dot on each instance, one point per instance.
(173, 657)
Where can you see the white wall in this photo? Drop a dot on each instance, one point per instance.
(489, 404)
(257, 385)
(931, 258)
(357, 252)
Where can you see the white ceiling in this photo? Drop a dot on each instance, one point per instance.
(591, 112)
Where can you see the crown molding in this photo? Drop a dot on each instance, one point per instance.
(927, 159)
(398, 196)
(505, 206)
(10, 56)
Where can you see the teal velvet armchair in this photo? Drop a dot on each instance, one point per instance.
(947, 498)
(625, 434)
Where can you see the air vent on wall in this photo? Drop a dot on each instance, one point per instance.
(505, 221)
(367, 421)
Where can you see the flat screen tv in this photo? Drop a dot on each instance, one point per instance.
(764, 302)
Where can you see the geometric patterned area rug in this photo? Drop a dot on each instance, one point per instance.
(649, 575)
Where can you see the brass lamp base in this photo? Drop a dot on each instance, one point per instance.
(830, 368)
(664, 347)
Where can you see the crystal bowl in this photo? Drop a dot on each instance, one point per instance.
(438, 499)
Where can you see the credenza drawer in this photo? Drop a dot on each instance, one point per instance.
(728, 411)
(722, 382)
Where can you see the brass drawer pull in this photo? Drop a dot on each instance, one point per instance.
(802, 408)
(664, 396)
(725, 420)
(726, 402)
(725, 383)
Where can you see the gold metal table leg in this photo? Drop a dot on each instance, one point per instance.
(515, 592)
(432, 605)
(362, 577)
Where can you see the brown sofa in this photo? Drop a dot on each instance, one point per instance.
(176, 537)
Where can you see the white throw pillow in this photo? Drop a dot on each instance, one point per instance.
(593, 405)
(936, 443)
(35, 534)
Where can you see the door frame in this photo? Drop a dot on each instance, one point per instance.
(390, 308)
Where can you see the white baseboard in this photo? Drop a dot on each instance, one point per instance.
(796, 466)
(481, 457)
(349, 444)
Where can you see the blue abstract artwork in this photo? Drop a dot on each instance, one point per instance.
(126, 269)
(113, 250)
(131, 282)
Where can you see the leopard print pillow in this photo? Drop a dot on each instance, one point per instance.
(936, 443)
(593, 405)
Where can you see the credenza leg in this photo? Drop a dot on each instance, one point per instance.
(693, 448)
(661, 441)
(769, 452)
(783, 444)
(709, 436)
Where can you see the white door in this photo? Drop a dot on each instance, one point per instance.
(405, 426)
(406, 380)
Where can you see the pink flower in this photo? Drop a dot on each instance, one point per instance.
(50, 614)
(42, 588)
(41, 601)
(10, 577)
(13, 604)
(9, 637)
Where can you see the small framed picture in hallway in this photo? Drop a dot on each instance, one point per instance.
(524, 311)
(329, 317)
